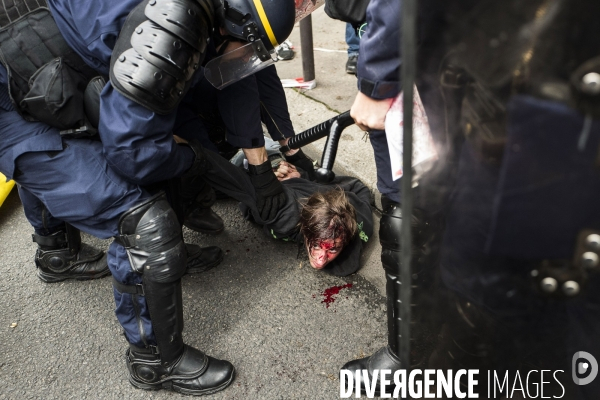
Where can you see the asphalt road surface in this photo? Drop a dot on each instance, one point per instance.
(263, 308)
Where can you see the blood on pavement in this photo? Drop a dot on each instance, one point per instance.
(328, 293)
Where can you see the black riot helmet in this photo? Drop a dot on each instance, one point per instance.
(263, 24)
(271, 21)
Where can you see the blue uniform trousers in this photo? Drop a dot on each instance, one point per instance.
(385, 183)
(75, 185)
(243, 106)
(38, 216)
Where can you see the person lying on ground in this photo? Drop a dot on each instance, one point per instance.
(333, 221)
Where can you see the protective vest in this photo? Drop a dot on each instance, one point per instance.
(47, 79)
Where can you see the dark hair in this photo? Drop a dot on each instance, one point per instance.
(328, 215)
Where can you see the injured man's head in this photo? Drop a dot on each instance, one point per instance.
(328, 223)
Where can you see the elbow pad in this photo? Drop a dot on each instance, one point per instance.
(161, 45)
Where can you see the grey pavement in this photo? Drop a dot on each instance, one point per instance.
(263, 308)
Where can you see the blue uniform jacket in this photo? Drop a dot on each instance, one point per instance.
(379, 60)
(137, 143)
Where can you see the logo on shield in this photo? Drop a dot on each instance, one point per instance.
(585, 368)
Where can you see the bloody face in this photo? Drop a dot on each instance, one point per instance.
(322, 252)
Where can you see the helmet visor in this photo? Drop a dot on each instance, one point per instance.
(305, 7)
(224, 70)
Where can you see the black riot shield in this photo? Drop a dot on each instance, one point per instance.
(511, 247)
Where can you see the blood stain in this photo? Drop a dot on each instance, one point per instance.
(326, 245)
(328, 293)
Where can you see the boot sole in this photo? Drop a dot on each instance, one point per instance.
(51, 278)
(169, 386)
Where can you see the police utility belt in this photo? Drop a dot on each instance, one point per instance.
(48, 81)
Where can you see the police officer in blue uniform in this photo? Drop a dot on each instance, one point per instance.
(511, 95)
(233, 116)
(250, 101)
(378, 71)
(237, 112)
(48, 56)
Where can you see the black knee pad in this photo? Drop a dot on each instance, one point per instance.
(389, 236)
(390, 225)
(152, 236)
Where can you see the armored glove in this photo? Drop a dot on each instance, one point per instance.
(270, 196)
(300, 160)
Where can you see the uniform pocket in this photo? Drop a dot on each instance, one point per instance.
(56, 95)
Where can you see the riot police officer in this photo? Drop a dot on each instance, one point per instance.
(378, 70)
(510, 90)
(234, 117)
(98, 186)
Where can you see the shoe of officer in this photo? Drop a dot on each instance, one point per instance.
(201, 259)
(62, 256)
(351, 64)
(192, 373)
(204, 220)
(382, 359)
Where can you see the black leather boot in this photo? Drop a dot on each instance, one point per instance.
(193, 373)
(201, 259)
(423, 328)
(204, 220)
(152, 237)
(62, 256)
(386, 357)
(382, 359)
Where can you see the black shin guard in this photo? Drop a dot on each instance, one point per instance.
(152, 236)
(386, 357)
(423, 329)
(425, 323)
(389, 237)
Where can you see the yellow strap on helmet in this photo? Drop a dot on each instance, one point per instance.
(265, 22)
